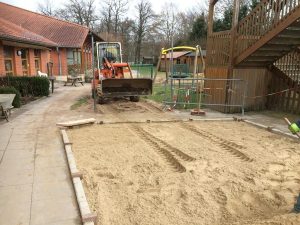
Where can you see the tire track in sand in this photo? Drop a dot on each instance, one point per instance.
(174, 163)
(175, 150)
(229, 146)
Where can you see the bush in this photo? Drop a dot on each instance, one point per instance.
(11, 90)
(27, 86)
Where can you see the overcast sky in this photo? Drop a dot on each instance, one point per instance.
(182, 5)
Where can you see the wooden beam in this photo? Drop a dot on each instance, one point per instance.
(285, 41)
(262, 58)
(269, 52)
(295, 33)
(274, 47)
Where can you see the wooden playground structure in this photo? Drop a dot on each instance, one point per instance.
(263, 50)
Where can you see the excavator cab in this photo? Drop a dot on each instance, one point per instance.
(114, 77)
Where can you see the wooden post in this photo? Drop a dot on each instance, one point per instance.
(202, 59)
(235, 20)
(210, 17)
(158, 65)
(82, 59)
(196, 62)
(167, 75)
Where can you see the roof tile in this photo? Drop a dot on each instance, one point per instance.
(63, 33)
(11, 31)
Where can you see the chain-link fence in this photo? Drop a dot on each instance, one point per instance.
(219, 94)
(142, 70)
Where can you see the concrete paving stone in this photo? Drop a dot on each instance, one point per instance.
(4, 142)
(49, 161)
(15, 164)
(1, 154)
(15, 213)
(50, 152)
(54, 210)
(3, 146)
(4, 138)
(23, 135)
(15, 194)
(21, 146)
(67, 222)
(15, 177)
(49, 143)
(53, 174)
(17, 154)
(26, 139)
(5, 131)
(52, 190)
(24, 132)
(21, 125)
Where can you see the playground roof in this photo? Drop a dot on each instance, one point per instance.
(192, 54)
(175, 54)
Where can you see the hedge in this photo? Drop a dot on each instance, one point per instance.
(11, 90)
(27, 86)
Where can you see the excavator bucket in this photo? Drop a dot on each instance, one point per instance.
(126, 87)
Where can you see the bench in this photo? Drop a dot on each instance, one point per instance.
(6, 104)
(73, 81)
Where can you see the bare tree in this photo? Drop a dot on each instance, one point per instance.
(107, 16)
(143, 25)
(79, 11)
(112, 12)
(46, 7)
(169, 22)
(119, 9)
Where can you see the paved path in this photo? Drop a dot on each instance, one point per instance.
(35, 185)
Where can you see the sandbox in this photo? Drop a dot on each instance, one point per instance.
(188, 173)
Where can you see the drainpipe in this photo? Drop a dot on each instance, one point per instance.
(59, 61)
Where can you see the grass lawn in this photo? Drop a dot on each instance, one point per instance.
(79, 102)
(161, 93)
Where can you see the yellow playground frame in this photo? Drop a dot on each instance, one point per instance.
(196, 49)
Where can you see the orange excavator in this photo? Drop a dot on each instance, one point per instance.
(114, 78)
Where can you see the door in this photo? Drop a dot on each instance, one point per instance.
(25, 61)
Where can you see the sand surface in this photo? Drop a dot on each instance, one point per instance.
(186, 172)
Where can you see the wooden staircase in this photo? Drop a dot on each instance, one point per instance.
(263, 50)
(268, 33)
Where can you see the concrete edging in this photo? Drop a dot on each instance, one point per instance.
(167, 121)
(271, 129)
(87, 217)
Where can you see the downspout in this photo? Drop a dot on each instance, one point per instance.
(59, 61)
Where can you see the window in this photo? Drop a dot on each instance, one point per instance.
(178, 61)
(8, 60)
(74, 61)
(37, 60)
(74, 57)
(24, 58)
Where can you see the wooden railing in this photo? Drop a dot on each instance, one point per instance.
(290, 65)
(264, 17)
(218, 47)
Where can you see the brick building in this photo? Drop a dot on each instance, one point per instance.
(29, 41)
